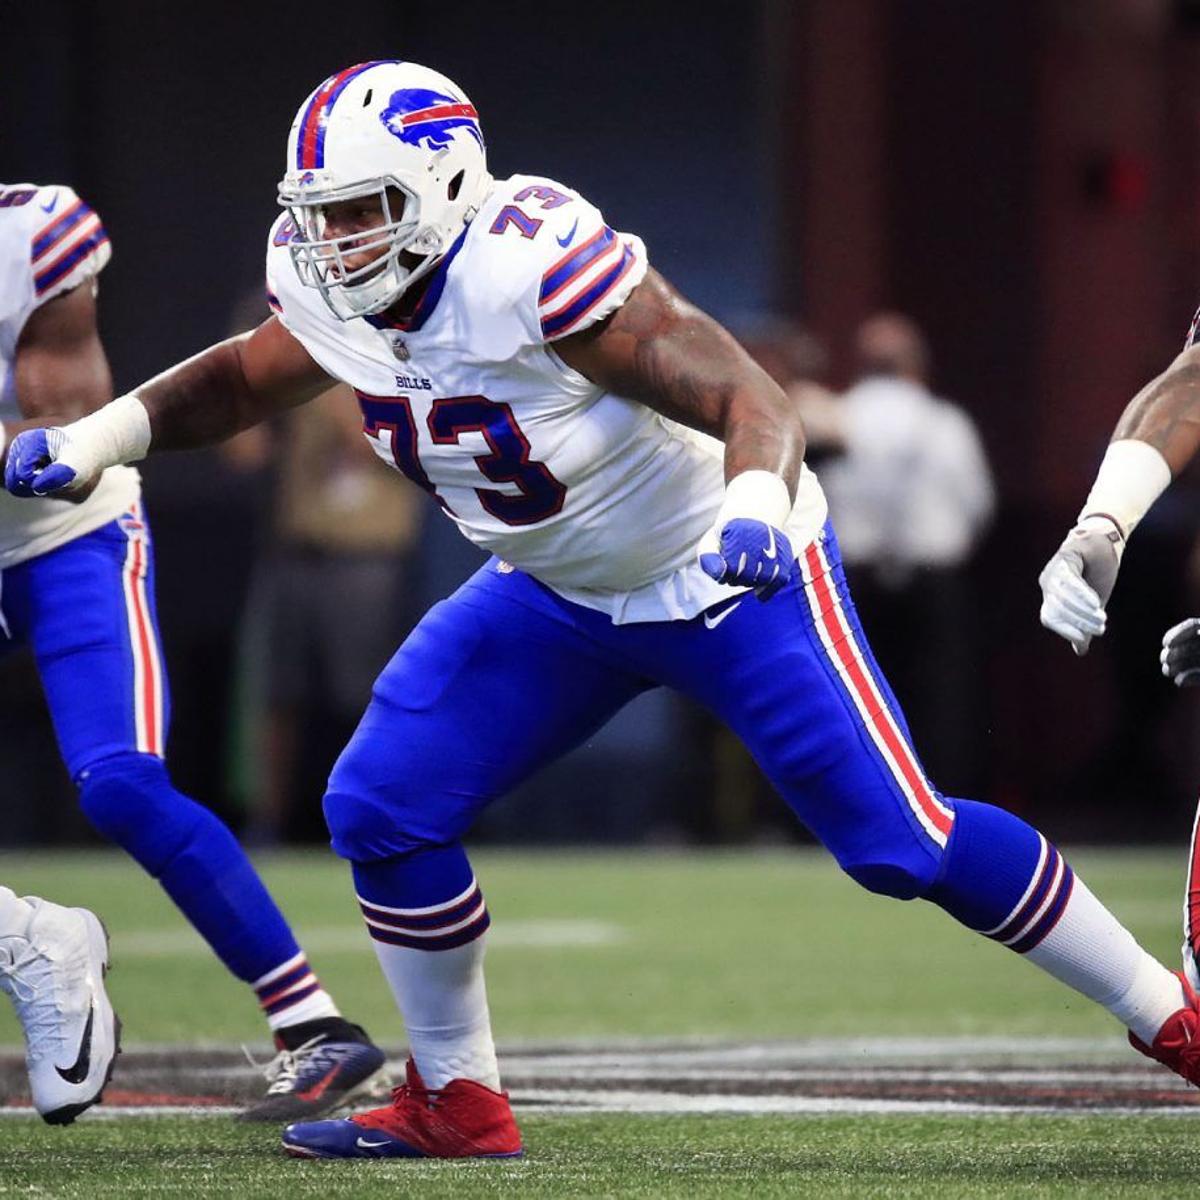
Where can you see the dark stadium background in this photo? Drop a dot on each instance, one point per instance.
(1023, 178)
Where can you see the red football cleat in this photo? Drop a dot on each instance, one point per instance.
(1177, 1043)
(462, 1120)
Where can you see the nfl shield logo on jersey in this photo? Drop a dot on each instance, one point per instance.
(399, 347)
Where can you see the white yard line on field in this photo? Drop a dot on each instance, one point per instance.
(112, 1112)
(954, 1076)
(649, 1103)
(550, 932)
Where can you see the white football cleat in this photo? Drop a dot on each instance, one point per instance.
(54, 973)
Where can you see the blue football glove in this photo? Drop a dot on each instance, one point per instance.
(751, 553)
(32, 469)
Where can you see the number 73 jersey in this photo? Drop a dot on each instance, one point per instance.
(597, 496)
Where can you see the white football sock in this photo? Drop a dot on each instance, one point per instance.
(291, 994)
(14, 914)
(443, 999)
(1092, 952)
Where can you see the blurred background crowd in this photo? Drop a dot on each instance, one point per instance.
(959, 234)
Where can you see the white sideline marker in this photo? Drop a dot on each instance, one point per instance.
(549, 933)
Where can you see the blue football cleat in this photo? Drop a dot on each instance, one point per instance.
(321, 1075)
(462, 1120)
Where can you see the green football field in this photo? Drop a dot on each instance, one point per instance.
(799, 1035)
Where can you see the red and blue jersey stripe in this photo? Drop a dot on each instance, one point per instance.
(571, 266)
(310, 142)
(60, 246)
(557, 323)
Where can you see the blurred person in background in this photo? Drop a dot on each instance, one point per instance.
(77, 586)
(912, 495)
(329, 603)
(641, 484)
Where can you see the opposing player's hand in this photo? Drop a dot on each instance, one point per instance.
(1180, 657)
(751, 553)
(1077, 582)
(43, 462)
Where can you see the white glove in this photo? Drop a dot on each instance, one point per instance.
(1180, 657)
(71, 458)
(1077, 582)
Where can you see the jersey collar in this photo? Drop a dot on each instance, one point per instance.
(429, 301)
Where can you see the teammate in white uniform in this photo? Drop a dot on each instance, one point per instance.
(639, 475)
(77, 585)
(51, 243)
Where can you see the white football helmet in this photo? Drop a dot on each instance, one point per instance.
(372, 127)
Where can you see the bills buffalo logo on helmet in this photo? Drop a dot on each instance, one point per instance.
(422, 116)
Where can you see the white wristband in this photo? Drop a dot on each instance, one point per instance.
(757, 495)
(1132, 476)
(117, 433)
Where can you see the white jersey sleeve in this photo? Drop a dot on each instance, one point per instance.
(564, 267)
(50, 242)
(68, 244)
(282, 232)
(300, 309)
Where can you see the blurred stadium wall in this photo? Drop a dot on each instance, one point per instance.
(1022, 178)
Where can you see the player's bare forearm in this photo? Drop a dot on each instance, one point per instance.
(61, 372)
(665, 353)
(230, 387)
(1166, 412)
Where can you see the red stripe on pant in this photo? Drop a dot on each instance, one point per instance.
(876, 710)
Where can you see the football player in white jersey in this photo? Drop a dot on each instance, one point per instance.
(642, 485)
(77, 585)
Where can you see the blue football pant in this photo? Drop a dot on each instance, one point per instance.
(505, 675)
(87, 610)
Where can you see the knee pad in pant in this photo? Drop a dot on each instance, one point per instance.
(129, 798)
(894, 861)
(366, 828)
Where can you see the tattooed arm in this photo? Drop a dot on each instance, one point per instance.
(664, 352)
(1157, 436)
(660, 350)
(229, 387)
(1165, 414)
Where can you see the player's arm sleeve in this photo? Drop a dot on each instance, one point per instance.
(587, 271)
(281, 233)
(68, 244)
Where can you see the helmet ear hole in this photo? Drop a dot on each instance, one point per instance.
(367, 97)
(455, 186)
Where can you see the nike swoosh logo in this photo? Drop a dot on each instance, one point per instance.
(712, 620)
(77, 1072)
(566, 241)
(319, 1088)
(49, 208)
(363, 1144)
